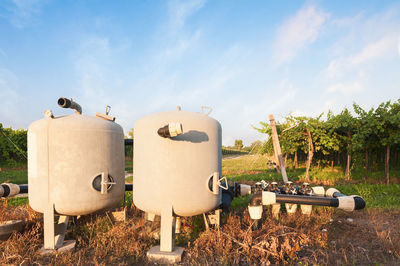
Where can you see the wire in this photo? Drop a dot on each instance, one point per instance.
(23, 154)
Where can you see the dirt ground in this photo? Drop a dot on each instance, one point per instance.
(328, 237)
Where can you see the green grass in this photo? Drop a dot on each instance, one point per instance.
(129, 166)
(254, 168)
(375, 195)
(14, 176)
(17, 201)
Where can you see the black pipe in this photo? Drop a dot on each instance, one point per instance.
(256, 199)
(307, 200)
(164, 132)
(359, 202)
(128, 187)
(6, 191)
(226, 199)
(23, 189)
(128, 142)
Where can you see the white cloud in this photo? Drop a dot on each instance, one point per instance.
(180, 11)
(298, 32)
(9, 99)
(384, 46)
(377, 49)
(345, 88)
(180, 46)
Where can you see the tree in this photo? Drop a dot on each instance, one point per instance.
(255, 147)
(364, 139)
(130, 133)
(238, 144)
(343, 125)
(387, 129)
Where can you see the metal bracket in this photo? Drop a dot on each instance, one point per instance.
(220, 183)
(203, 108)
(105, 183)
(212, 219)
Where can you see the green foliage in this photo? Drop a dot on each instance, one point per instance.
(13, 146)
(250, 169)
(375, 195)
(14, 176)
(361, 137)
(238, 144)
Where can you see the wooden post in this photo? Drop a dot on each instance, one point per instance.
(277, 148)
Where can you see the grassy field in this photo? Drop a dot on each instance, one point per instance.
(252, 168)
(16, 176)
(326, 237)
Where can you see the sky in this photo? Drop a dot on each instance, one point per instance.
(244, 59)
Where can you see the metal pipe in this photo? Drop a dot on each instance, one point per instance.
(256, 199)
(343, 201)
(128, 187)
(171, 130)
(9, 190)
(5, 189)
(307, 200)
(23, 189)
(69, 103)
(128, 142)
(226, 200)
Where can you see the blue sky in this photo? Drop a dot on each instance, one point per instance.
(245, 59)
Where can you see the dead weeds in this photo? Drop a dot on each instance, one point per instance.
(371, 237)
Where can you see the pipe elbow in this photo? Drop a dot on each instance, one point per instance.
(351, 203)
(69, 103)
(9, 190)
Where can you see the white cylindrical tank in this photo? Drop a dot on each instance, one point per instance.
(75, 163)
(181, 171)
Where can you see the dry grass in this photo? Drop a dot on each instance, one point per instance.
(373, 236)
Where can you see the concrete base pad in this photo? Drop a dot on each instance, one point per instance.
(155, 255)
(67, 246)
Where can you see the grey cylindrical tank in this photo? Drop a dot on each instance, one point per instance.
(181, 171)
(75, 163)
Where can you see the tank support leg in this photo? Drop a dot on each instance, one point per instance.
(166, 252)
(54, 234)
(167, 236)
(48, 224)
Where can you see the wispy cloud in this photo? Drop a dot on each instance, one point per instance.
(9, 99)
(385, 46)
(298, 31)
(179, 11)
(22, 13)
(345, 88)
